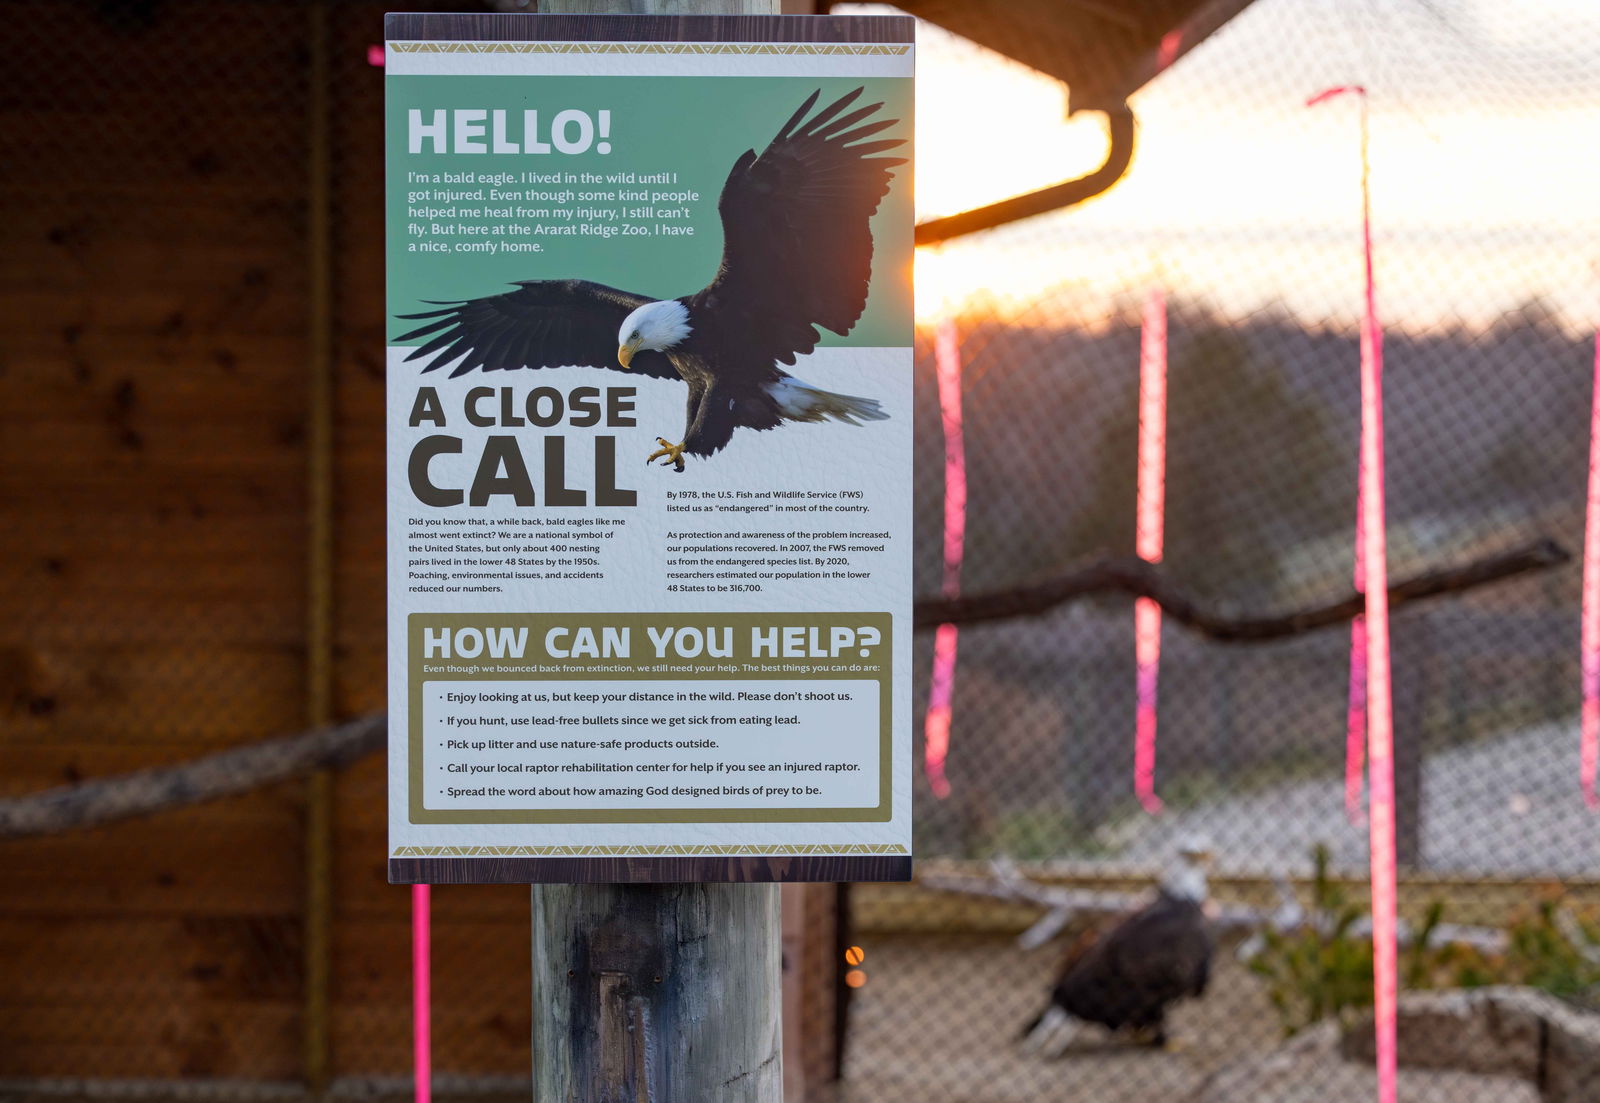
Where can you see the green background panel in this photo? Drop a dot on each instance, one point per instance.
(693, 126)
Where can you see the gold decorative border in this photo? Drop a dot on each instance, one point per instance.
(809, 48)
(636, 851)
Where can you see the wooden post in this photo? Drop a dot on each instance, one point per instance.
(814, 992)
(793, 945)
(657, 992)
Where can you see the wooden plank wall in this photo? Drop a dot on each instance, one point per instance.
(151, 469)
(152, 564)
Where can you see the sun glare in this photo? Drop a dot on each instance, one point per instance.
(1240, 198)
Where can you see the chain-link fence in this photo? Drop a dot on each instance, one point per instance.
(158, 322)
(1243, 207)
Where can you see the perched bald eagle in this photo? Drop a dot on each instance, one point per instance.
(797, 254)
(1130, 976)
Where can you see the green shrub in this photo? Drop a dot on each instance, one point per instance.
(1549, 947)
(1322, 970)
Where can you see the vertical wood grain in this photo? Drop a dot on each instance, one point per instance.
(656, 992)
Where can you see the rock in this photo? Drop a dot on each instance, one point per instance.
(1310, 1069)
(1572, 1065)
(1327, 1062)
(1520, 1032)
(1495, 1031)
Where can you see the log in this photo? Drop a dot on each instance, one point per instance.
(1136, 578)
(237, 770)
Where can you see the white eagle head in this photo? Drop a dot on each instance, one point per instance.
(654, 326)
(1186, 879)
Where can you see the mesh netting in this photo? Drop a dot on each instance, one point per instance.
(1243, 207)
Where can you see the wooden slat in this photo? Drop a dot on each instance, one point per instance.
(175, 1037)
(481, 1014)
(152, 303)
(256, 447)
(181, 864)
(149, 997)
(162, 694)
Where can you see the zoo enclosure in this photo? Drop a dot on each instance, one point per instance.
(178, 579)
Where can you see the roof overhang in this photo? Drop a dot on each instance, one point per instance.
(1104, 50)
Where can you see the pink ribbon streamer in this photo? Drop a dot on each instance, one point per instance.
(1149, 535)
(1380, 733)
(1375, 574)
(421, 1004)
(1589, 750)
(936, 728)
(1355, 720)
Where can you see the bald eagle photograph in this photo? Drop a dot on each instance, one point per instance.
(797, 255)
(1127, 979)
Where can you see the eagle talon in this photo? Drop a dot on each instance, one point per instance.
(672, 452)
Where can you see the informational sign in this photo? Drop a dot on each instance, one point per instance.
(649, 447)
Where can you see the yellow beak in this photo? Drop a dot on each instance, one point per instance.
(625, 354)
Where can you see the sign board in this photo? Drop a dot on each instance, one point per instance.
(649, 447)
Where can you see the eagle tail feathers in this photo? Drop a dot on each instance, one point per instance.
(798, 400)
(1050, 1033)
(1032, 1024)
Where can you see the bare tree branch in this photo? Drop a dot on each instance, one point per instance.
(1137, 578)
(1062, 904)
(236, 770)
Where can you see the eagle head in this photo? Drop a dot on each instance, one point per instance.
(1186, 879)
(655, 326)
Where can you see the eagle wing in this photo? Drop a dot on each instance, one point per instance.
(542, 324)
(1164, 951)
(797, 244)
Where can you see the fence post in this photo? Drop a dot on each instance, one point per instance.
(656, 992)
(1409, 642)
(659, 992)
